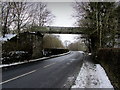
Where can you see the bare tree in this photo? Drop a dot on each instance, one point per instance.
(22, 14)
(52, 41)
(6, 16)
(41, 15)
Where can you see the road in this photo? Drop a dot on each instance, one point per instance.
(56, 72)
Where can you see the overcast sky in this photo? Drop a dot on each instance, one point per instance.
(63, 12)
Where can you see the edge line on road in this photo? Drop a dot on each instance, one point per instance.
(17, 77)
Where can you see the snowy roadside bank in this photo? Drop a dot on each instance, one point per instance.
(33, 60)
(92, 76)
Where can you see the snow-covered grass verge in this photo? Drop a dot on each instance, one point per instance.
(7, 37)
(92, 76)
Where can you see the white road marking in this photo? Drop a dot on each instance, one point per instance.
(48, 65)
(68, 63)
(62, 60)
(73, 59)
(17, 77)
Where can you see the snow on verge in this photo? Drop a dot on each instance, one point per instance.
(7, 37)
(92, 76)
(81, 51)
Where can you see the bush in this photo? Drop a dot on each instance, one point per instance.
(110, 60)
(14, 56)
(54, 51)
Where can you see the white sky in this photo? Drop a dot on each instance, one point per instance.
(63, 12)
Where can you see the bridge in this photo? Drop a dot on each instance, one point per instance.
(58, 30)
(61, 30)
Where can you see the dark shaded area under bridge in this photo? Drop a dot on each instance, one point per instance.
(60, 30)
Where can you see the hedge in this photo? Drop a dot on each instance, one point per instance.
(110, 60)
(54, 51)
